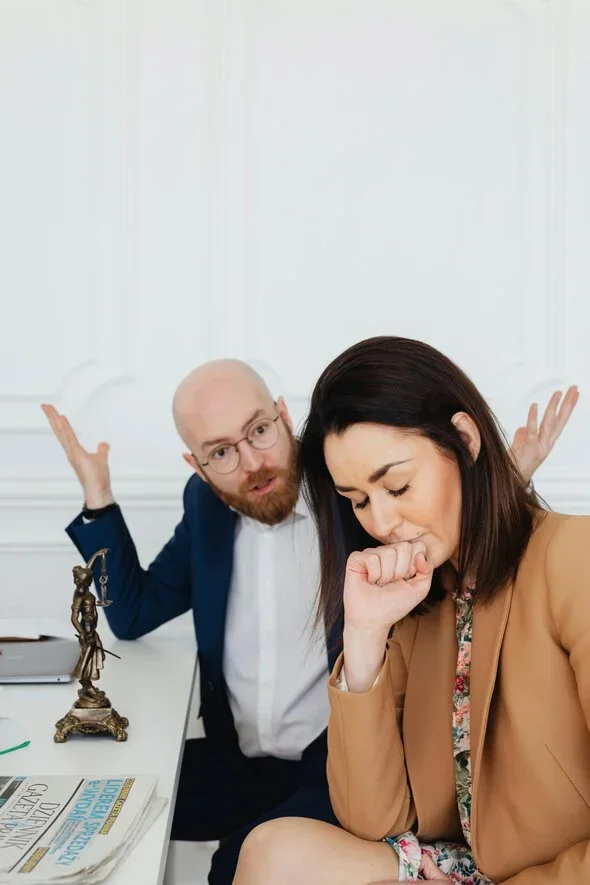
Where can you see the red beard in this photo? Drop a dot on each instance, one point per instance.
(277, 504)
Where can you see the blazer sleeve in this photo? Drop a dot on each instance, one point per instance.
(568, 581)
(144, 599)
(367, 774)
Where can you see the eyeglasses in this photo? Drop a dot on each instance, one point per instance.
(225, 459)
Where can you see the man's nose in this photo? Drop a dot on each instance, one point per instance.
(251, 458)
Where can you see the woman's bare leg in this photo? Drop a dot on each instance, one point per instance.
(298, 851)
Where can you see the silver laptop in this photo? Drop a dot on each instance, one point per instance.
(49, 660)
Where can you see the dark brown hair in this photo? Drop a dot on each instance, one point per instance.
(408, 384)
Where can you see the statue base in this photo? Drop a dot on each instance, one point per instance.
(91, 720)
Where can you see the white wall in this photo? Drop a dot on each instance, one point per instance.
(274, 180)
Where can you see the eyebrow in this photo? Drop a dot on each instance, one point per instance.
(376, 476)
(224, 439)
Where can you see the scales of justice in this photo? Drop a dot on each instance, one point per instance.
(92, 713)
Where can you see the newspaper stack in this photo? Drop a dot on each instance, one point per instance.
(71, 829)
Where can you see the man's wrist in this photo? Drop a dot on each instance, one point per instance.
(96, 499)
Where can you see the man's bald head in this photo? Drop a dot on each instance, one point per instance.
(224, 407)
(205, 396)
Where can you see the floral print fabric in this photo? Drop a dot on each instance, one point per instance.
(455, 861)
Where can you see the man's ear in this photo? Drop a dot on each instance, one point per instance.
(284, 413)
(194, 465)
(469, 430)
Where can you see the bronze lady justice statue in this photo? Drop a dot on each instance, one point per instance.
(92, 713)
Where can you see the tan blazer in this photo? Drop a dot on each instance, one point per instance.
(390, 762)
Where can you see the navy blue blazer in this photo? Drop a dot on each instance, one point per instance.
(193, 571)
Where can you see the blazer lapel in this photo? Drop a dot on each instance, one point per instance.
(214, 548)
(489, 625)
(427, 724)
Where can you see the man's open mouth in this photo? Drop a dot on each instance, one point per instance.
(265, 486)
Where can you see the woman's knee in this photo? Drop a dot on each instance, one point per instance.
(269, 853)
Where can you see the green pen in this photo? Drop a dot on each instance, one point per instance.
(11, 737)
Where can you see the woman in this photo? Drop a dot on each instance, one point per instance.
(459, 746)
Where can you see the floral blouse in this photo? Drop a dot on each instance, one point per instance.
(455, 861)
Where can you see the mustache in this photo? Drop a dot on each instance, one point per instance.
(254, 479)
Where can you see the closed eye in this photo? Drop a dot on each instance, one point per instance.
(394, 492)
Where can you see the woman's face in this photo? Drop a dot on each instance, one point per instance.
(400, 485)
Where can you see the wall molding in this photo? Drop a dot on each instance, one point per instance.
(164, 492)
(146, 490)
(36, 548)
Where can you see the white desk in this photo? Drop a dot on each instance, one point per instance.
(152, 686)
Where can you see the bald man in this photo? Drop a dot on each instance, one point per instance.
(244, 558)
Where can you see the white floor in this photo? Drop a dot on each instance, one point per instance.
(188, 863)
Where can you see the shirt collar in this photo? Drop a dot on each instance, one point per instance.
(300, 511)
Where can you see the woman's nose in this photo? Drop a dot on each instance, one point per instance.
(386, 521)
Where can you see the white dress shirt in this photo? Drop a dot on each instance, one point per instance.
(275, 665)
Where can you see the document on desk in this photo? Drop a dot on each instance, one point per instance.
(71, 829)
